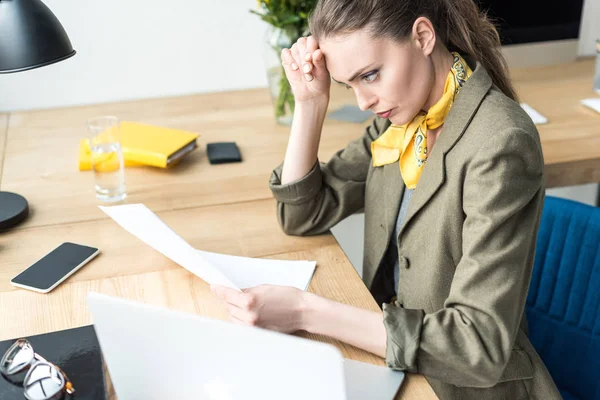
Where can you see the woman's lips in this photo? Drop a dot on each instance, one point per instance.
(385, 114)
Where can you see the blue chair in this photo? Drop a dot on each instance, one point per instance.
(563, 304)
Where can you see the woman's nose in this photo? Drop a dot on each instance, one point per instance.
(365, 100)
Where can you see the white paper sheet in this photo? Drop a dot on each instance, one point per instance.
(593, 103)
(138, 220)
(248, 272)
(232, 271)
(535, 116)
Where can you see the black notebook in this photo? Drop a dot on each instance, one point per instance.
(76, 351)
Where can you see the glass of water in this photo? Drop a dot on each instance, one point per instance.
(107, 158)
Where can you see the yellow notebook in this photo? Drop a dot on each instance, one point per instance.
(85, 157)
(146, 145)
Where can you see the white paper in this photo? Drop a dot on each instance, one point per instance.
(248, 272)
(138, 220)
(593, 103)
(535, 116)
(232, 271)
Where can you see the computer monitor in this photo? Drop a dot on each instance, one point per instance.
(537, 32)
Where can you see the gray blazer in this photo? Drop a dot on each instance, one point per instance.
(466, 248)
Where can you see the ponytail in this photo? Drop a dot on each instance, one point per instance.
(469, 31)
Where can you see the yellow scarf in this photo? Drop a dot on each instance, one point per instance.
(409, 142)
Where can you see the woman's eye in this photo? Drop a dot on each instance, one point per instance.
(371, 76)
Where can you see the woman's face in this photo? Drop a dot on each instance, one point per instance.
(394, 80)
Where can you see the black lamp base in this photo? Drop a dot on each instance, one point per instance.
(13, 210)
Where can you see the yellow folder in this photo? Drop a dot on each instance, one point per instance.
(146, 145)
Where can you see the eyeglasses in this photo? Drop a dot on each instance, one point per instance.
(41, 379)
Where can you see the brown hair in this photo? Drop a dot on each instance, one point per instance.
(458, 23)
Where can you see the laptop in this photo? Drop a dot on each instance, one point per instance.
(156, 353)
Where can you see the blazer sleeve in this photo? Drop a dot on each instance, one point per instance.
(469, 341)
(329, 192)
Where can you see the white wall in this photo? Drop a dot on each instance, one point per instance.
(149, 48)
(144, 48)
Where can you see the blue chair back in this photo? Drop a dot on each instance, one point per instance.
(563, 304)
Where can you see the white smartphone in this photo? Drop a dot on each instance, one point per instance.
(56, 266)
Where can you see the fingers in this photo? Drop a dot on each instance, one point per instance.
(296, 55)
(240, 305)
(243, 300)
(311, 44)
(242, 316)
(305, 57)
(318, 58)
(286, 56)
(312, 48)
(229, 295)
(307, 66)
(304, 60)
(301, 47)
(302, 51)
(287, 60)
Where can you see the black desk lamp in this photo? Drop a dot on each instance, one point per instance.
(30, 37)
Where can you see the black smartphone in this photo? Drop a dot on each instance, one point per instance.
(56, 266)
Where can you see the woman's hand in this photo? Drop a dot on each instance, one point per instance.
(278, 308)
(286, 309)
(305, 68)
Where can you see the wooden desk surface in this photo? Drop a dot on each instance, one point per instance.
(128, 268)
(225, 208)
(571, 139)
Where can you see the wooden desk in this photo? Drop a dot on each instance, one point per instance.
(38, 159)
(571, 139)
(225, 208)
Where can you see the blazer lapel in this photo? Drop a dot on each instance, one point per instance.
(458, 119)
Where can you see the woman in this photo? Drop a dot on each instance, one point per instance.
(450, 174)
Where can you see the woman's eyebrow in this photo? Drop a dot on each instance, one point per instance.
(359, 72)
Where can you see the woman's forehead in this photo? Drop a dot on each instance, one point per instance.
(345, 53)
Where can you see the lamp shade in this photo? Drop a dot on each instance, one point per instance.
(30, 36)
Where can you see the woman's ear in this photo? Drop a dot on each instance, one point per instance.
(423, 35)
